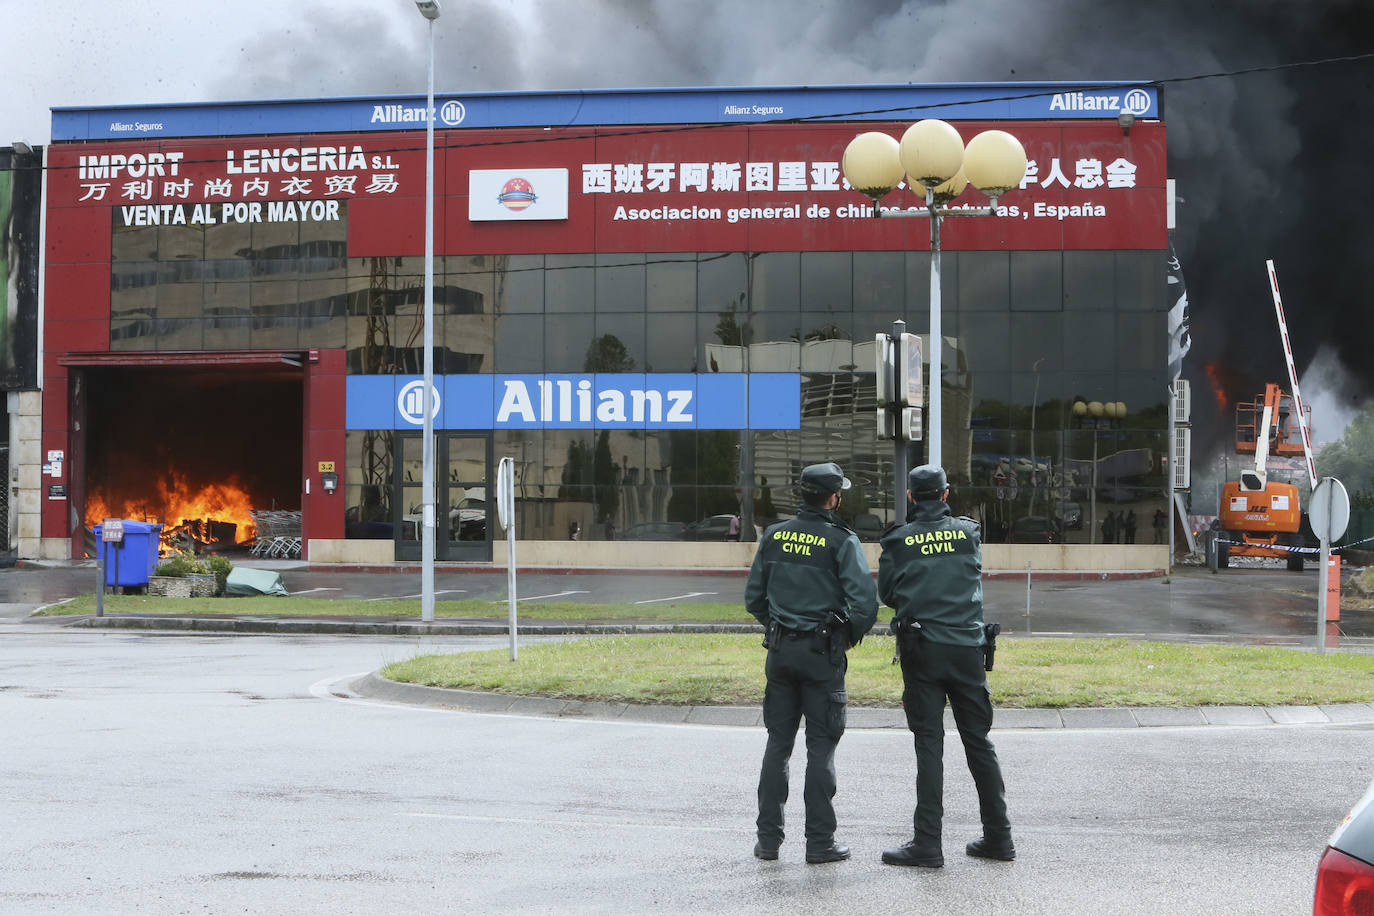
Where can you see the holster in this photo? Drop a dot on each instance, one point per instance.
(770, 634)
(907, 632)
(990, 631)
(832, 637)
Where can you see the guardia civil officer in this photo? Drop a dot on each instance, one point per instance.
(930, 572)
(810, 586)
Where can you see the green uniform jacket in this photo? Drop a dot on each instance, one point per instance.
(931, 571)
(807, 567)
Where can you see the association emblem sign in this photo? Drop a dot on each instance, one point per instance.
(516, 195)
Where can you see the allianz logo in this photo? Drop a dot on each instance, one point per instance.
(451, 112)
(1136, 101)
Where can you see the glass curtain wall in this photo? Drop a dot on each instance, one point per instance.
(1028, 335)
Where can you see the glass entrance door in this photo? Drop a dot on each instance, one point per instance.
(462, 466)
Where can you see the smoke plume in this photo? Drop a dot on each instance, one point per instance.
(1265, 161)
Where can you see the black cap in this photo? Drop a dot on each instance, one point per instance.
(823, 478)
(928, 478)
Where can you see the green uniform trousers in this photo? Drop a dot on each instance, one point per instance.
(802, 681)
(930, 672)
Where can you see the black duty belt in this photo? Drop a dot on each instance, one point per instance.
(795, 634)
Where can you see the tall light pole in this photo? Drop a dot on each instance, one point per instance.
(430, 10)
(933, 156)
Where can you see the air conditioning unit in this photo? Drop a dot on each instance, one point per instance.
(1182, 458)
(1183, 401)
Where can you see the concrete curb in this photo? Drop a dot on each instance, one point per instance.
(376, 687)
(446, 627)
(406, 568)
(1038, 575)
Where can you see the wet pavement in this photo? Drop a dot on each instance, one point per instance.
(223, 774)
(1243, 605)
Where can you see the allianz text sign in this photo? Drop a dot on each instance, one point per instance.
(726, 400)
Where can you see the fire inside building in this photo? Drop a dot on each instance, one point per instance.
(660, 304)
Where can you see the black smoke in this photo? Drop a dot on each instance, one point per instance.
(1269, 163)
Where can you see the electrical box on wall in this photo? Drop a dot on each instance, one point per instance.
(1182, 458)
(1183, 401)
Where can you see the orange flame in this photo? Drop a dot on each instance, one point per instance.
(179, 504)
(96, 509)
(1218, 385)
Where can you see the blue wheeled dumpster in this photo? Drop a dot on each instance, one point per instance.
(131, 561)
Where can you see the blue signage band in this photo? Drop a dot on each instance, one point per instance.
(726, 400)
(591, 108)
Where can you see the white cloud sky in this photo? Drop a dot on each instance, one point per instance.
(117, 52)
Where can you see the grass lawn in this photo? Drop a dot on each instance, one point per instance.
(727, 669)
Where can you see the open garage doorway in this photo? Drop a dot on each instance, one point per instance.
(198, 448)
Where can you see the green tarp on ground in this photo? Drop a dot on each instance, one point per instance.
(243, 581)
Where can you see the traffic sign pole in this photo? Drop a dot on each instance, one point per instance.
(505, 507)
(1324, 559)
(1329, 513)
(111, 537)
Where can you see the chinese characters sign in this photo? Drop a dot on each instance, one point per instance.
(735, 188)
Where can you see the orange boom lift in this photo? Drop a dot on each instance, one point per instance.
(1259, 516)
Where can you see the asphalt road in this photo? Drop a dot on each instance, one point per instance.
(216, 774)
(1248, 605)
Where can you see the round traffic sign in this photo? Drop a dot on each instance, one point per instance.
(505, 492)
(1329, 509)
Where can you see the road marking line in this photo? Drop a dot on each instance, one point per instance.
(675, 597)
(442, 591)
(558, 595)
(307, 591)
(595, 825)
(324, 688)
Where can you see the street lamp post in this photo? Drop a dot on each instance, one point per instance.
(933, 157)
(430, 10)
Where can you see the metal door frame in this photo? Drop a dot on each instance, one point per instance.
(405, 521)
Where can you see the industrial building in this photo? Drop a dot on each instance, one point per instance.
(661, 304)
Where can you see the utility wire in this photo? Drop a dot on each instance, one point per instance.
(599, 133)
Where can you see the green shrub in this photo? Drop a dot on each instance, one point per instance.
(220, 566)
(183, 565)
(179, 567)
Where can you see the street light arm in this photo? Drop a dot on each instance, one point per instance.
(933, 153)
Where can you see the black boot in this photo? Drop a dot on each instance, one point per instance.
(832, 853)
(984, 848)
(766, 851)
(915, 853)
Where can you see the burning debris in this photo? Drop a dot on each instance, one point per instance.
(213, 516)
